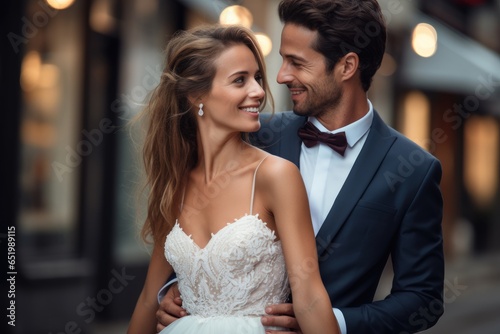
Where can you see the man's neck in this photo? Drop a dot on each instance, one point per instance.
(347, 112)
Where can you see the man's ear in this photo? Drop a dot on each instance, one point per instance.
(349, 65)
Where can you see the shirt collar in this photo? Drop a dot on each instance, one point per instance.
(354, 131)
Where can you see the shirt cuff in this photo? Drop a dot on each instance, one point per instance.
(341, 320)
(164, 289)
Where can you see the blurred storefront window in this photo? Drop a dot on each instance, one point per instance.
(416, 118)
(481, 159)
(51, 153)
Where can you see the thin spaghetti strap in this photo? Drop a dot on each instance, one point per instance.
(182, 200)
(253, 184)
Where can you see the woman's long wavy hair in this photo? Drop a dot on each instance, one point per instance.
(170, 149)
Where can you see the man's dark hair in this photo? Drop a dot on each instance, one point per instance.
(343, 26)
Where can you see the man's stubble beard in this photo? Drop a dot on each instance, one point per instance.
(330, 97)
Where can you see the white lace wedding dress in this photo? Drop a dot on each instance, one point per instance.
(226, 285)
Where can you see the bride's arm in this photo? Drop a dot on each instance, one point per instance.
(144, 317)
(287, 199)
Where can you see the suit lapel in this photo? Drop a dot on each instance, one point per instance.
(371, 156)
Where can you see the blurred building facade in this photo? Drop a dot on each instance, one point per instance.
(72, 77)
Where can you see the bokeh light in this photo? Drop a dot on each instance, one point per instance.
(424, 40)
(236, 15)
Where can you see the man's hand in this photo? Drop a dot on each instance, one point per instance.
(281, 315)
(170, 308)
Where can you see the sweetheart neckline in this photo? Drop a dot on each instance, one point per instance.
(223, 228)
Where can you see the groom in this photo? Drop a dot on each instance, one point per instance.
(373, 193)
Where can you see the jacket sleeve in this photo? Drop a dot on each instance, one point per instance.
(416, 299)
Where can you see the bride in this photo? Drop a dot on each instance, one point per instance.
(229, 219)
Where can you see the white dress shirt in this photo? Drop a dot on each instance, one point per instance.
(324, 172)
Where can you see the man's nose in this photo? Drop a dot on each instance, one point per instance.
(283, 74)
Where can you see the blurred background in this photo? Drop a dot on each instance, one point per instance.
(73, 72)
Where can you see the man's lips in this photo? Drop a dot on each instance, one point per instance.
(296, 91)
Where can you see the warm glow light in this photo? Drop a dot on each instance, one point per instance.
(416, 118)
(481, 160)
(47, 94)
(30, 70)
(388, 66)
(265, 43)
(101, 18)
(38, 134)
(60, 4)
(49, 76)
(424, 40)
(236, 15)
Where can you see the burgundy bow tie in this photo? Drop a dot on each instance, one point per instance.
(311, 135)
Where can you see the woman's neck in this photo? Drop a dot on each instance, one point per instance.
(216, 157)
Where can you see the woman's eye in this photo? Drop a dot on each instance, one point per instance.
(258, 78)
(239, 80)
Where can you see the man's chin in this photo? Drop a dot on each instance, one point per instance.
(300, 112)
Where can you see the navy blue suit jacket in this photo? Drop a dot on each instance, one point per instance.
(390, 205)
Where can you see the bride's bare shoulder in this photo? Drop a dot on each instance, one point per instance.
(274, 169)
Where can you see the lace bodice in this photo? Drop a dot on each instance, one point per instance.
(239, 272)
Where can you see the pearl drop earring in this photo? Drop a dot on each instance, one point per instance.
(200, 111)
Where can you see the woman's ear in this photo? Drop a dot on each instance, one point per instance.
(193, 101)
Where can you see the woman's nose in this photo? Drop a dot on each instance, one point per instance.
(257, 91)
